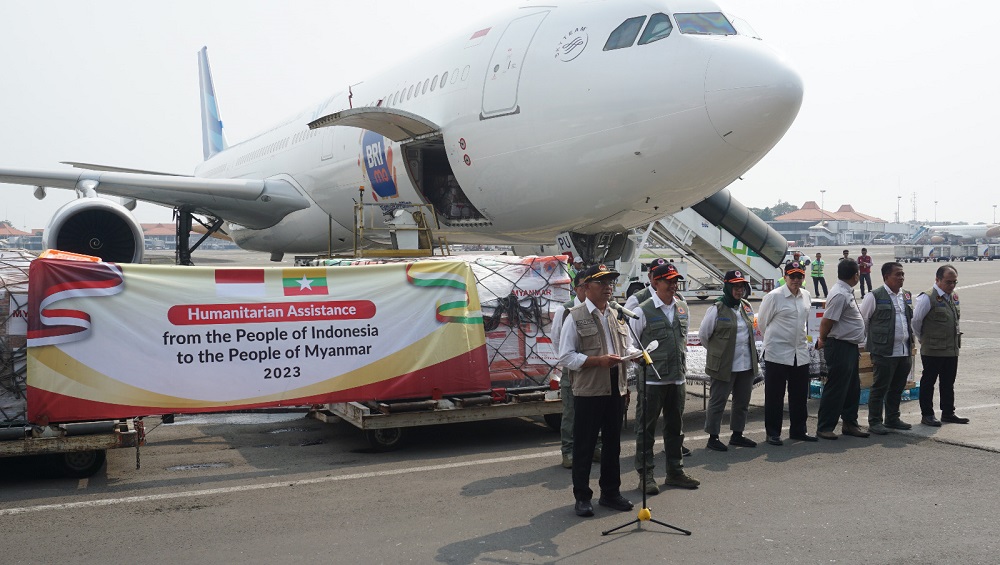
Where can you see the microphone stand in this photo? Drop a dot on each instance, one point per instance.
(644, 515)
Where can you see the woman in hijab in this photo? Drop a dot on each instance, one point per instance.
(727, 333)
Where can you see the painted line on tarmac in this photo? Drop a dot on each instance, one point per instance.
(302, 482)
(264, 486)
(978, 322)
(963, 287)
(627, 447)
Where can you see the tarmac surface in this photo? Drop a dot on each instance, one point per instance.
(266, 488)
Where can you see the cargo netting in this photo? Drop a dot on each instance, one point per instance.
(13, 331)
(518, 296)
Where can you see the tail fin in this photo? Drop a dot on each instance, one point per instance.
(212, 139)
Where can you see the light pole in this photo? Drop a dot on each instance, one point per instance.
(994, 213)
(822, 213)
(935, 211)
(898, 200)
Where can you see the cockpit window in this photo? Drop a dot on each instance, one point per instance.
(743, 27)
(624, 35)
(707, 23)
(659, 26)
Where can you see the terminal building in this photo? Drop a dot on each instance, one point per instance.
(811, 225)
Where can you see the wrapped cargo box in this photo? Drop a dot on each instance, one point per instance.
(518, 296)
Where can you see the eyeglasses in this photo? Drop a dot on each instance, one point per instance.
(604, 283)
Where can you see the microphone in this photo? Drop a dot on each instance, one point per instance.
(622, 312)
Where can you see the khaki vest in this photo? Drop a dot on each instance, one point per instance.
(596, 381)
(939, 334)
(670, 357)
(882, 326)
(721, 344)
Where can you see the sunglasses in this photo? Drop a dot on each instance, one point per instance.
(796, 276)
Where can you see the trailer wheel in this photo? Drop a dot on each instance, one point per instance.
(554, 421)
(385, 439)
(82, 464)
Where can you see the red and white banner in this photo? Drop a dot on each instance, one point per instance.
(116, 341)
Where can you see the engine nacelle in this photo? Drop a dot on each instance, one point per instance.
(936, 239)
(96, 226)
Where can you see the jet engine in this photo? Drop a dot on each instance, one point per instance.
(96, 226)
(936, 239)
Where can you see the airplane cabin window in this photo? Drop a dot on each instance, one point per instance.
(659, 26)
(465, 72)
(707, 23)
(409, 93)
(426, 84)
(454, 75)
(624, 35)
(434, 82)
(444, 79)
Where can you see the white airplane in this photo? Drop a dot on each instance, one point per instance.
(959, 233)
(590, 118)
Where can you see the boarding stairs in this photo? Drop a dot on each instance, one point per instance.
(713, 248)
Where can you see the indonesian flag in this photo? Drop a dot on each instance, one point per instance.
(304, 281)
(239, 282)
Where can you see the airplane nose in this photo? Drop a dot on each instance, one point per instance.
(752, 95)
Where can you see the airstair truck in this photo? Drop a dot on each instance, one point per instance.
(720, 234)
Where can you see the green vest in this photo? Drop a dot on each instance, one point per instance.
(817, 268)
(939, 334)
(882, 326)
(721, 344)
(645, 294)
(670, 357)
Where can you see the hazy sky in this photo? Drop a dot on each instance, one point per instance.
(901, 97)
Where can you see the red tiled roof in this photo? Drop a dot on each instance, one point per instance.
(159, 229)
(811, 212)
(7, 230)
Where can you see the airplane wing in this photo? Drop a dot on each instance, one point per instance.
(96, 167)
(253, 203)
(397, 125)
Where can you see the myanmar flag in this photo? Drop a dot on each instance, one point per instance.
(304, 281)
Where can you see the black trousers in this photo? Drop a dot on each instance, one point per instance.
(934, 367)
(776, 378)
(598, 415)
(842, 390)
(865, 277)
(817, 281)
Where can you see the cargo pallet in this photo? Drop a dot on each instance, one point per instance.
(81, 447)
(384, 423)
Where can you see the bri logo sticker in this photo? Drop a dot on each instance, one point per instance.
(377, 160)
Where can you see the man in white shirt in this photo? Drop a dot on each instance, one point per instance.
(841, 332)
(936, 316)
(782, 319)
(887, 312)
(662, 318)
(592, 342)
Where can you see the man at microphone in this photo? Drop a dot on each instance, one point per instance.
(662, 318)
(592, 342)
